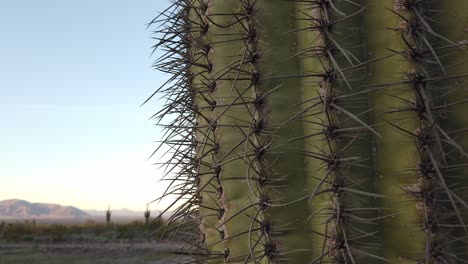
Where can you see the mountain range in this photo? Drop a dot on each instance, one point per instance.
(21, 209)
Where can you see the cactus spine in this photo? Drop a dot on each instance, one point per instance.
(317, 131)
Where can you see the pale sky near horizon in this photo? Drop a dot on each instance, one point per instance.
(72, 77)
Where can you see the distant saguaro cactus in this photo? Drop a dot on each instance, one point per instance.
(147, 215)
(108, 216)
(317, 131)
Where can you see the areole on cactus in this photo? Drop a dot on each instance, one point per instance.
(317, 131)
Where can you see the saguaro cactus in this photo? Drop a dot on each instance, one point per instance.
(108, 216)
(147, 215)
(317, 131)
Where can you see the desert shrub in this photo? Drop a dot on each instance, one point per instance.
(15, 232)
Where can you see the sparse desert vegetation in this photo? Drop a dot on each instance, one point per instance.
(89, 242)
(87, 232)
(135, 253)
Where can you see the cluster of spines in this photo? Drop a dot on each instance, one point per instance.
(210, 189)
(196, 157)
(435, 189)
(245, 77)
(340, 108)
(261, 245)
(176, 40)
(179, 133)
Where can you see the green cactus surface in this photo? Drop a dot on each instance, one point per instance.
(316, 131)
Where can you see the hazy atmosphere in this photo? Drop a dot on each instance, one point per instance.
(72, 77)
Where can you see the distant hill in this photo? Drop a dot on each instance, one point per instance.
(21, 209)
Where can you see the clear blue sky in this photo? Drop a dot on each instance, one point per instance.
(72, 77)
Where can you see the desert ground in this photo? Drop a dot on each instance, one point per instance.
(91, 253)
